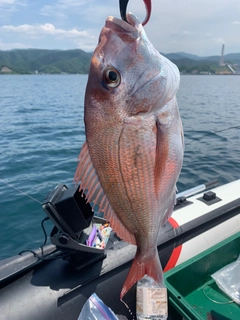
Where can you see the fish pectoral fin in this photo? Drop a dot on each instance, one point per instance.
(87, 177)
(169, 211)
(150, 266)
(162, 150)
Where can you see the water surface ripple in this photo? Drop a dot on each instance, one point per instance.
(42, 131)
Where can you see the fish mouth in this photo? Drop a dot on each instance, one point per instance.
(119, 25)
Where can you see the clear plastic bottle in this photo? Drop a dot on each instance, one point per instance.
(151, 300)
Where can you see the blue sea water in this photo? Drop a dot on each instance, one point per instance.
(42, 131)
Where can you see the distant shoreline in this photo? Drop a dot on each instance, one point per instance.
(40, 61)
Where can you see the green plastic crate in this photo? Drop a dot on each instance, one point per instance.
(191, 288)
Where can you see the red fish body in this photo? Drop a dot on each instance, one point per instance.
(133, 152)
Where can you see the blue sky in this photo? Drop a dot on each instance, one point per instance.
(194, 26)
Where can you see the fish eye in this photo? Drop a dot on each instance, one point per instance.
(111, 77)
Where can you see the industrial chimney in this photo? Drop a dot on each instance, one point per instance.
(222, 56)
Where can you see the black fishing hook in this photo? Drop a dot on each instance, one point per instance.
(123, 9)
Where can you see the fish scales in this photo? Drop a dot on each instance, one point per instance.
(137, 148)
(133, 152)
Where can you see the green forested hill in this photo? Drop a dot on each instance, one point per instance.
(45, 61)
(192, 64)
(28, 61)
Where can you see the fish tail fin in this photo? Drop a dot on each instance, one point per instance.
(150, 266)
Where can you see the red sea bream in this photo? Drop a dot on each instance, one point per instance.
(132, 157)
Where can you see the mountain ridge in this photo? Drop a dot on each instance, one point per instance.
(77, 61)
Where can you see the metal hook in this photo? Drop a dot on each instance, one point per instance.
(123, 9)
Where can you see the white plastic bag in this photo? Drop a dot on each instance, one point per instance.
(228, 280)
(95, 309)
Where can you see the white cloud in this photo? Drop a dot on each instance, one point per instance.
(61, 7)
(219, 40)
(75, 38)
(84, 12)
(181, 34)
(52, 11)
(13, 45)
(6, 2)
(9, 8)
(44, 29)
(9, 3)
(173, 26)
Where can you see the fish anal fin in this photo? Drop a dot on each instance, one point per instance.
(117, 226)
(87, 177)
(150, 266)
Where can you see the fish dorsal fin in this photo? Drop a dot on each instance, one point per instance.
(87, 177)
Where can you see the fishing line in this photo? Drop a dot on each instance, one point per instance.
(215, 301)
(42, 223)
(217, 131)
(22, 192)
(186, 144)
(50, 256)
(128, 308)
